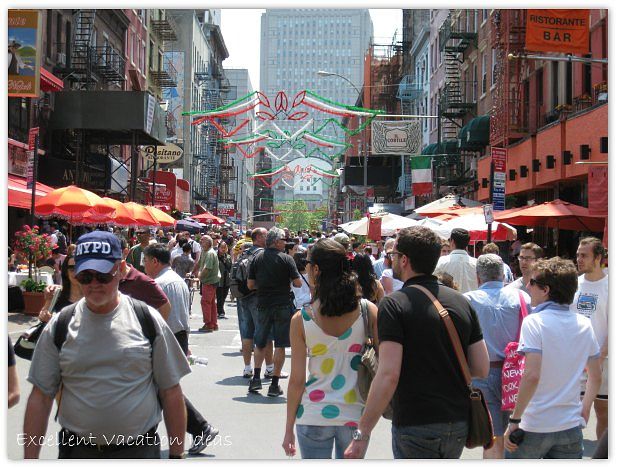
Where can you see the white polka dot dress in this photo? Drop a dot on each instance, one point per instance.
(331, 396)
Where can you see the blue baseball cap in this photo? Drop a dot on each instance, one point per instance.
(97, 250)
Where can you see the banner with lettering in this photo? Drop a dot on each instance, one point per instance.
(24, 53)
(396, 137)
(565, 31)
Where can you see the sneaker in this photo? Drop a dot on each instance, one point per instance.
(274, 391)
(205, 329)
(247, 373)
(221, 316)
(255, 385)
(268, 374)
(201, 441)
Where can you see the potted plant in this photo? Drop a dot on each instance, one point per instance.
(33, 293)
(31, 246)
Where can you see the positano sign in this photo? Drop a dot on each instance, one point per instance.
(165, 154)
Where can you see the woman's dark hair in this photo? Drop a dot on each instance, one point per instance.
(363, 267)
(300, 258)
(288, 247)
(63, 298)
(336, 285)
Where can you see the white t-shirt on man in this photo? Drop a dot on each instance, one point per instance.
(591, 300)
(566, 342)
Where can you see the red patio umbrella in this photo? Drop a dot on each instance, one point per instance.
(164, 220)
(140, 214)
(71, 201)
(555, 214)
(208, 218)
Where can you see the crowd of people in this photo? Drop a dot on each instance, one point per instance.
(117, 340)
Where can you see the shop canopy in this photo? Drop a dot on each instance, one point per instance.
(555, 214)
(20, 196)
(475, 134)
(50, 82)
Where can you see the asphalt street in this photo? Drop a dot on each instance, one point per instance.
(251, 425)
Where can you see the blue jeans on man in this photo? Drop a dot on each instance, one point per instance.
(438, 440)
(561, 444)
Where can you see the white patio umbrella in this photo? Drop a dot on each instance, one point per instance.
(391, 223)
(476, 225)
(446, 202)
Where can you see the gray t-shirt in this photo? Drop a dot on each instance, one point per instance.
(109, 377)
(177, 293)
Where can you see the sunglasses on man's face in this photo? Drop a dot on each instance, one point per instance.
(535, 282)
(86, 277)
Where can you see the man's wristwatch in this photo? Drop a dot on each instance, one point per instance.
(177, 457)
(358, 435)
(514, 420)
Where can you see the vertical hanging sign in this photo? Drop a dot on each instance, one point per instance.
(24, 28)
(32, 134)
(498, 159)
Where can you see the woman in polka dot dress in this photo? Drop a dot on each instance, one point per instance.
(326, 405)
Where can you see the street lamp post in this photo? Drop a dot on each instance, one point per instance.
(360, 123)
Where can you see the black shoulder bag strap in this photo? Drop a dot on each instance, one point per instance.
(145, 320)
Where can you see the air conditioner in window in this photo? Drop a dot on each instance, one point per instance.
(61, 58)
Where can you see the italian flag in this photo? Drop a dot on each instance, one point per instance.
(421, 175)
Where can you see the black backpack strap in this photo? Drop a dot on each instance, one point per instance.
(62, 325)
(145, 320)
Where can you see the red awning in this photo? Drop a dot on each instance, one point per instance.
(50, 82)
(20, 196)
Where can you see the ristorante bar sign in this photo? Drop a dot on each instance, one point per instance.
(565, 31)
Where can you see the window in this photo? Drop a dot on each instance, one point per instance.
(494, 66)
(48, 33)
(484, 15)
(483, 74)
(474, 74)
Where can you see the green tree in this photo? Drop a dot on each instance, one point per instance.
(357, 214)
(296, 216)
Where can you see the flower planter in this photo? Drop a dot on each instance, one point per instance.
(33, 302)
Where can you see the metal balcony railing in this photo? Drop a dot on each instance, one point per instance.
(166, 75)
(408, 89)
(461, 39)
(164, 28)
(457, 98)
(107, 63)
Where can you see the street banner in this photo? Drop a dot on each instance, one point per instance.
(396, 137)
(421, 175)
(24, 53)
(565, 31)
(32, 134)
(150, 113)
(498, 158)
(597, 190)
(374, 231)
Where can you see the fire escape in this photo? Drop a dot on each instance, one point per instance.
(89, 67)
(166, 75)
(456, 97)
(507, 122)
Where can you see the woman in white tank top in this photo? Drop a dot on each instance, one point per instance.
(325, 404)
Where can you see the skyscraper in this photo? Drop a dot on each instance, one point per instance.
(297, 43)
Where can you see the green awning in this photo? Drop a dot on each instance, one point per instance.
(429, 149)
(447, 147)
(475, 134)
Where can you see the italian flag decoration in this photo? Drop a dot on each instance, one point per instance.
(421, 175)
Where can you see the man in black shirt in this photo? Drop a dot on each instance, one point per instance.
(271, 272)
(418, 368)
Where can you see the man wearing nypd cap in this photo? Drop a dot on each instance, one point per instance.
(113, 383)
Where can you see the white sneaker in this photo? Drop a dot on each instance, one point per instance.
(269, 374)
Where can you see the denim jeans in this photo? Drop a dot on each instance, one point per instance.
(438, 440)
(562, 444)
(317, 441)
(492, 391)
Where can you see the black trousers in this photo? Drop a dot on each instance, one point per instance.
(222, 292)
(195, 421)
